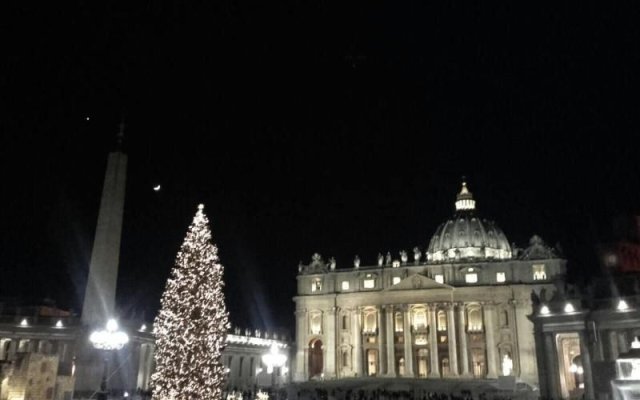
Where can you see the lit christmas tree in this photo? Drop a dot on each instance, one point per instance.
(192, 325)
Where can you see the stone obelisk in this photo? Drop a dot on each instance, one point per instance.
(100, 294)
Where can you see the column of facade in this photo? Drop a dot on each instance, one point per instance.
(408, 343)
(434, 359)
(391, 356)
(464, 352)
(452, 342)
(489, 312)
(357, 342)
(382, 342)
(13, 349)
(612, 337)
(301, 366)
(585, 356)
(330, 335)
(553, 391)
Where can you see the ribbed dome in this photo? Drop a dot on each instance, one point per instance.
(466, 236)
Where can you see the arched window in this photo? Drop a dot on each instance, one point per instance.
(370, 322)
(442, 321)
(316, 323)
(399, 322)
(420, 319)
(474, 319)
(401, 368)
(445, 366)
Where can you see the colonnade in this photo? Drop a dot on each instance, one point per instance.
(381, 348)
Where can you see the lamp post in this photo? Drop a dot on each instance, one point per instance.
(274, 359)
(108, 339)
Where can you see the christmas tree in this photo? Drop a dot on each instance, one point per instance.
(192, 325)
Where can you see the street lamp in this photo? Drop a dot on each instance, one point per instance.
(274, 359)
(108, 339)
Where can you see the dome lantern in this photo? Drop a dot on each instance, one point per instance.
(464, 199)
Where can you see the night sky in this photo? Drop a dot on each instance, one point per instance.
(307, 126)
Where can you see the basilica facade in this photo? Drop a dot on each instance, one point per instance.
(460, 310)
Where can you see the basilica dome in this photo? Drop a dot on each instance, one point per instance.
(466, 236)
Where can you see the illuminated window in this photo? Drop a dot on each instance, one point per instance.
(316, 285)
(500, 277)
(539, 274)
(439, 278)
(474, 319)
(369, 283)
(420, 319)
(396, 280)
(471, 278)
(421, 340)
(370, 323)
(316, 323)
(442, 321)
(345, 285)
(399, 323)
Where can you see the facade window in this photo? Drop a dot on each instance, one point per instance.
(251, 365)
(421, 340)
(474, 319)
(401, 367)
(539, 274)
(369, 283)
(420, 319)
(240, 368)
(471, 278)
(345, 359)
(399, 323)
(345, 285)
(345, 322)
(500, 277)
(316, 285)
(396, 280)
(370, 322)
(442, 321)
(439, 278)
(316, 323)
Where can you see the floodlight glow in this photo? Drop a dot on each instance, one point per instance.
(568, 308)
(622, 306)
(59, 324)
(544, 310)
(24, 323)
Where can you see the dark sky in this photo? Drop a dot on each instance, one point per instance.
(304, 126)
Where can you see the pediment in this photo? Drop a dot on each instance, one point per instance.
(418, 282)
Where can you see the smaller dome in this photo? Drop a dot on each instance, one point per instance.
(466, 236)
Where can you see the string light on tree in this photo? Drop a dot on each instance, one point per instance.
(192, 324)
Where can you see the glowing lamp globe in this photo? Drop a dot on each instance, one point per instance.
(274, 359)
(110, 338)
